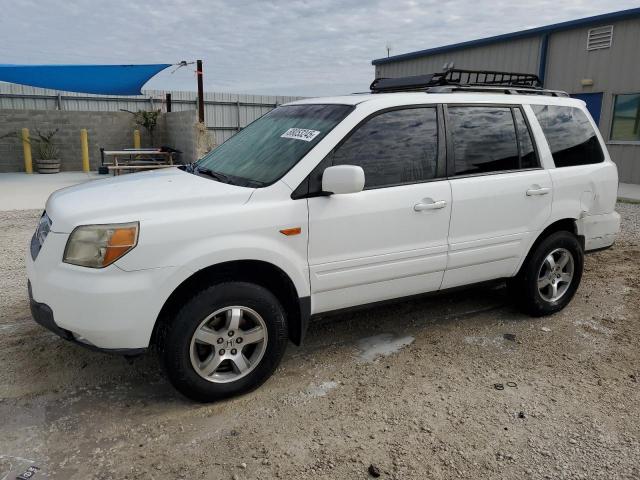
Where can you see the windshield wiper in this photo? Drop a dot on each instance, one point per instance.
(221, 177)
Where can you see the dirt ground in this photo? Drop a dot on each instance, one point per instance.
(408, 388)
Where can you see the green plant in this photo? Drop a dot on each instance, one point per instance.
(147, 119)
(44, 145)
(42, 142)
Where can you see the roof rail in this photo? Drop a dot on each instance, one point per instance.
(465, 80)
(495, 89)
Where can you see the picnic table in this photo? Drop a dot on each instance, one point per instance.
(136, 159)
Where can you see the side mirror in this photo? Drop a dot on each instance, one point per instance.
(343, 179)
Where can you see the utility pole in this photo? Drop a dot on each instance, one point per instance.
(200, 92)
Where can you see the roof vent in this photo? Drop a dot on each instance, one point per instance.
(600, 37)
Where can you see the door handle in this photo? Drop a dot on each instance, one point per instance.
(419, 207)
(538, 191)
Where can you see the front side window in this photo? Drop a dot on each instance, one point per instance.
(484, 139)
(269, 147)
(394, 147)
(626, 118)
(570, 135)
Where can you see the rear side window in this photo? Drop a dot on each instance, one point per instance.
(570, 136)
(484, 139)
(394, 147)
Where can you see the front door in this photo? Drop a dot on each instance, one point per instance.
(389, 240)
(501, 196)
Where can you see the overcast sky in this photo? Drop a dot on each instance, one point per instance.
(295, 47)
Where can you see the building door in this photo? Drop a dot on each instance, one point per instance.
(594, 103)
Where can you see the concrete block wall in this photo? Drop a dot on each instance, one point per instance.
(110, 130)
(180, 128)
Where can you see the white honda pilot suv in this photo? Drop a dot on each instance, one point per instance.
(320, 205)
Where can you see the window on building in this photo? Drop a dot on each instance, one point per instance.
(393, 148)
(484, 139)
(626, 118)
(570, 136)
(528, 158)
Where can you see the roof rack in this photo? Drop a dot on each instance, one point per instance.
(466, 80)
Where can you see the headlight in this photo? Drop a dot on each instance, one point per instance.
(97, 246)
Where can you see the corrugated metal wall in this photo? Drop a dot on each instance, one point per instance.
(613, 70)
(225, 113)
(519, 55)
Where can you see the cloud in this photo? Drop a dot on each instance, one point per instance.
(297, 47)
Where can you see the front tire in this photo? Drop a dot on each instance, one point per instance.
(550, 276)
(226, 340)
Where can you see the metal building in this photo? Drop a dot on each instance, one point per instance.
(596, 59)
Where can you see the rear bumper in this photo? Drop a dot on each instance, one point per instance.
(600, 231)
(43, 315)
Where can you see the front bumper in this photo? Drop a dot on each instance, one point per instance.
(105, 309)
(43, 315)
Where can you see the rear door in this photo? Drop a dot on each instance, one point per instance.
(501, 196)
(390, 240)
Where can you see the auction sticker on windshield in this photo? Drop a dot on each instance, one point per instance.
(300, 134)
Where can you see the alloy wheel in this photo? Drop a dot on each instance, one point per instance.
(228, 344)
(555, 274)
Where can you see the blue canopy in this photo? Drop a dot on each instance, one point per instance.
(100, 79)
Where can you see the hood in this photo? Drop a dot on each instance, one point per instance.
(137, 197)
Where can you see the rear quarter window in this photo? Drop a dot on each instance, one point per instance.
(570, 135)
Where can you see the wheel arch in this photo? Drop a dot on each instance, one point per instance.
(260, 272)
(561, 225)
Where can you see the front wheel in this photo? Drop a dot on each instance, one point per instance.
(550, 276)
(226, 340)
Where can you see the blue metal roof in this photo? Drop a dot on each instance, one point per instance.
(581, 22)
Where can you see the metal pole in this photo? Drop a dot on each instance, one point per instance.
(168, 98)
(238, 110)
(200, 92)
(84, 142)
(26, 146)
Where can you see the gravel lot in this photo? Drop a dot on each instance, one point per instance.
(408, 388)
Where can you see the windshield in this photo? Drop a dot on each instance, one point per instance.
(268, 148)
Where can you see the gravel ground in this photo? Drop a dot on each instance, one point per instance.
(407, 388)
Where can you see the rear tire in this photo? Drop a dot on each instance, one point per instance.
(550, 276)
(226, 340)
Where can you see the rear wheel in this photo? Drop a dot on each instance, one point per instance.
(226, 340)
(550, 275)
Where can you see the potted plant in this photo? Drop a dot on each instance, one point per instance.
(48, 160)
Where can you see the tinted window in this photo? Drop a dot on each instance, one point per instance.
(395, 147)
(528, 158)
(267, 148)
(570, 135)
(484, 139)
(626, 118)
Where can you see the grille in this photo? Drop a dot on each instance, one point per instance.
(40, 235)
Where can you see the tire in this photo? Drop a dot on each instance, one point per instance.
(211, 351)
(539, 299)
